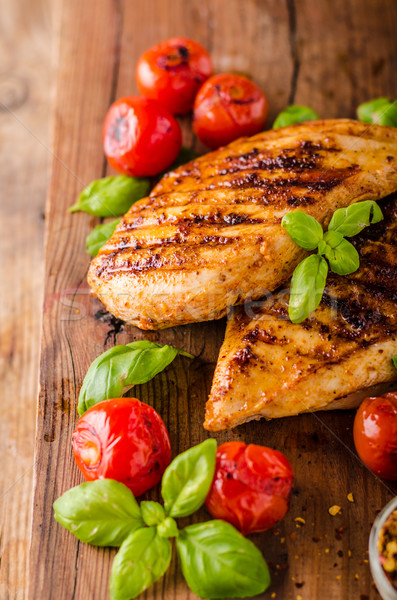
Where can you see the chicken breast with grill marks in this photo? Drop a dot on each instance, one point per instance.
(209, 236)
(269, 367)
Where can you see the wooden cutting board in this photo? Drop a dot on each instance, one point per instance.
(331, 55)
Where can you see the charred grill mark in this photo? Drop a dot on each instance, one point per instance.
(262, 335)
(244, 356)
(216, 218)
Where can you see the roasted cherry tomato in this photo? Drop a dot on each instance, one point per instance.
(375, 434)
(140, 137)
(251, 487)
(122, 439)
(228, 107)
(172, 72)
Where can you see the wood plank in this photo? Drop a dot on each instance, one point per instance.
(307, 51)
(25, 98)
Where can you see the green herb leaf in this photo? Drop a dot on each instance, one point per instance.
(143, 558)
(102, 512)
(353, 219)
(185, 155)
(218, 562)
(394, 360)
(124, 366)
(168, 528)
(152, 512)
(294, 114)
(187, 480)
(342, 256)
(381, 111)
(111, 196)
(304, 229)
(307, 287)
(99, 236)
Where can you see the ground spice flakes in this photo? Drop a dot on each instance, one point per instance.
(387, 546)
(334, 510)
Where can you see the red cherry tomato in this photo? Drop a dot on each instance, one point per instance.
(122, 439)
(172, 73)
(251, 487)
(228, 107)
(140, 137)
(375, 434)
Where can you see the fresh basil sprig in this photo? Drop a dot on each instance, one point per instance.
(121, 367)
(218, 562)
(233, 566)
(111, 196)
(381, 111)
(99, 236)
(294, 114)
(102, 512)
(309, 278)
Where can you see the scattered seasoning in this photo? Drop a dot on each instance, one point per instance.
(339, 577)
(292, 535)
(387, 546)
(282, 541)
(326, 550)
(350, 497)
(276, 532)
(349, 553)
(299, 521)
(299, 584)
(299, 597)
(273, 595)
(356, 577)
(334, 510)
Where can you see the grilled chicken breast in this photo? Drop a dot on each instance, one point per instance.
(270, 367)
(209, 235)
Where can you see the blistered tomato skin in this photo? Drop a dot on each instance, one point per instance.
(140, 137)
(228, 107)
(122, 439)
(375, 435)
(172, 73)
(251, 487)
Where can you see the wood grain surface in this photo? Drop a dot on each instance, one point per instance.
(26, 34)
(328, 54)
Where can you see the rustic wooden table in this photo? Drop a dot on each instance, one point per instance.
(329, 55)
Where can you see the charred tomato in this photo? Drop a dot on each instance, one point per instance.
(251, 486)
(122, 439)
(172, 72)
(375, 434)
(228, 107)
(140, 137)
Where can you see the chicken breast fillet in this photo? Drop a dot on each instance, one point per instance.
(269, 367)
(209, 236)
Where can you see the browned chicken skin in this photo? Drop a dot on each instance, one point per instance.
(209, 236)
(269, 367)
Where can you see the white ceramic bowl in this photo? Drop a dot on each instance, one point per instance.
(385, 588)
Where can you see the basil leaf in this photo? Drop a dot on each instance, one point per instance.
(342, 256)
(111, 196)
(99, 236)
(152, 512)
(168, 528)
(142, 559)
(381, 111)
(353, 219)
(123, 366)
(294, 114)
(307, 287)
(304, 229)
(187, 480)
(394, 360)
(218, 562)
(102, 512)
(185, 155)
